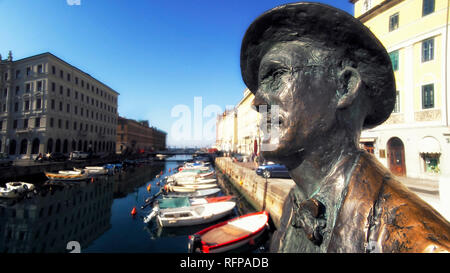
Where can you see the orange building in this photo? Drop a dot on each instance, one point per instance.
(137, 137)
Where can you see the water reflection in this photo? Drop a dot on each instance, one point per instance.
(97, 215)
(47, 221)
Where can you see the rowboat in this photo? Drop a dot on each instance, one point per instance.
(178, 202)
(198, 193)
(230, 234)
(189, 182)
(14, 189)
(93, 170)
(190, 188)
(193, 215)
(67, 176)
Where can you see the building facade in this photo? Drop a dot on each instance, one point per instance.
(48, 105)
(137, 136)
(238, 128)
(415, 140)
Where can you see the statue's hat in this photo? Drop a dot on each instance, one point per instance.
(332, 28)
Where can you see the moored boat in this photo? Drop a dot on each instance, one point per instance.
(76, 176)
(194, 215)
(188, 182)
(198, 193)
(229, 235)
(190, 188)
(14, 189)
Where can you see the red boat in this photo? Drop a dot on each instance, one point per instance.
(230, 234)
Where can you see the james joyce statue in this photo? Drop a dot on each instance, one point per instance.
(330, 77)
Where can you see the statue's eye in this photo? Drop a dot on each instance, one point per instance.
(273, 74)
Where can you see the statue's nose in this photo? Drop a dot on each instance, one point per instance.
(258, 100)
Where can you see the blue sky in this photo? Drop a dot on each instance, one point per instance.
(157, 54)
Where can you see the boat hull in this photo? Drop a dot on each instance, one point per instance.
(188, 216)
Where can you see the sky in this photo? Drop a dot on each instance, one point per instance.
(173, 62)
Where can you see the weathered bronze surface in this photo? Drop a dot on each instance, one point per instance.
(330, 77)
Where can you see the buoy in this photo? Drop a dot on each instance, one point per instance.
(149, 187)
(133, 211)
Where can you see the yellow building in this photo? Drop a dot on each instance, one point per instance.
(415, 140)
(238, 128)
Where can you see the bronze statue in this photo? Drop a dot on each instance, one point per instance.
(330, 77)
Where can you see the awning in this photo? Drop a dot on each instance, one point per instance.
(367, 139)
(429, 145)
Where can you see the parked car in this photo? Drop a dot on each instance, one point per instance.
(78, 155)
(237, 157)
(271, 169)
(55, 156)
(5, 160)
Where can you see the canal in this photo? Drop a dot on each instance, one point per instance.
(97, 216)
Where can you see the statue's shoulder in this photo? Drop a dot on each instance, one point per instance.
(401, 220)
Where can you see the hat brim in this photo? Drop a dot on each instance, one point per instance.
(333, 28)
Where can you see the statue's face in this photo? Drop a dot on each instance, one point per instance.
(293, 76)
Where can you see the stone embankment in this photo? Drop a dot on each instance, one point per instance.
(263, 194)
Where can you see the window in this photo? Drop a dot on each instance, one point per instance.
(427, 7)
(431, 162)
(397, 102)
(17, 74)
(74, 125)
(16, 107)
(39, 69)
(39, 86)
(53, 70)
(17, 90)
(38, 103)
(76, 80)
(59, 123)
(393, 22)
(427, 96)
(15, 124)
(52, 104)
(28, 71)
(60, 106)
(37, 122)
(27, 105)
(61, 74)
(67, 124)
(53, 86)
(68, 77)
(68, 108)
(428, 50)
(367, 5)
(51, 122)
(1, 126)
(25, 123)
(28, 87)
(68, 92)
(394, 59)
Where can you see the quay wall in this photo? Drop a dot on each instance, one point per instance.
(37, 169)
(263, 194)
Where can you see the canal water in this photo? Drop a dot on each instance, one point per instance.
(96, 215)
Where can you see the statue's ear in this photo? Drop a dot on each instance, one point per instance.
(349, 86)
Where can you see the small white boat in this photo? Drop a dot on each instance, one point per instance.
(230, 234)
(194, 215)
(189, 182)
(14, 189)
(93, 170)
(190, 188)
(179, 202)
(70, 172)
(198, 193)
